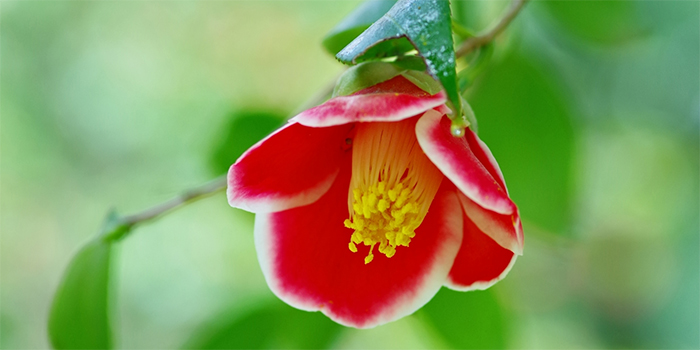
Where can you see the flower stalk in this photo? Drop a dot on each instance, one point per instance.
(486, 37)
(189, 196)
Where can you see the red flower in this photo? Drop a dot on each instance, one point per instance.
(366, 205)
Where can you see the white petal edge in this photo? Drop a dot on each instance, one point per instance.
(274, 203)
(264, 247)
(341, 118)
(491, 159)
(481, 219)
(481, 285)
(403, 306)
(431, 119)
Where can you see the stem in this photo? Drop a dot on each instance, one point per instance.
(480, 40)
(189, 196)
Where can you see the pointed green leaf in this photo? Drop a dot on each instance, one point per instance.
(114, 228)
(411, 63)
(79, 316)
(426, 25)
(355, 23)
(423, 81)
(385, 48)
(363, 76)
(368, 74)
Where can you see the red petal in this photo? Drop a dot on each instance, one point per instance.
(481, 262)
(484, 155)
(392, 100)
(292, 167)
(505, 229)
(305, 258)
(458, 162)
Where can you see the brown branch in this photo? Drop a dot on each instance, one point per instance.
(480, 40)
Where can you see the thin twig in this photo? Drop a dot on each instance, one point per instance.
(480, 40)
(192, 195)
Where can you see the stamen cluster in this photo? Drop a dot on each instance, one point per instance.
(393, 184)
(384, 216)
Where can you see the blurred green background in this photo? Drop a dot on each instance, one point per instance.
(590, 107)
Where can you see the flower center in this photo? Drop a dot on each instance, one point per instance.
(392, 186)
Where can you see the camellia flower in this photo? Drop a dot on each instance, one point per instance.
(367, 204)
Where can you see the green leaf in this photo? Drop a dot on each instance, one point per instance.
(365, 75)
(472, 320)
(411, 63)
(114, 228)
(245, 128)
(79, 316)
(368, 74)
(355, 23)
(423, 81)
(272, 325)
(386, 48)
(426, 25)
(525, 121)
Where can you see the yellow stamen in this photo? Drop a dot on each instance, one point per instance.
(393, 184)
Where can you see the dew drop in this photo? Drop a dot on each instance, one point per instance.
(457, 130)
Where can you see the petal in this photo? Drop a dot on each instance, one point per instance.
(304, 256)
(481, 262)
(292, 167)
(505, 229)
(458, 162)
(392, 100)
(443, 109)
(484, 155)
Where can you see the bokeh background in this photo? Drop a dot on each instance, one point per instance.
(590, 107)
